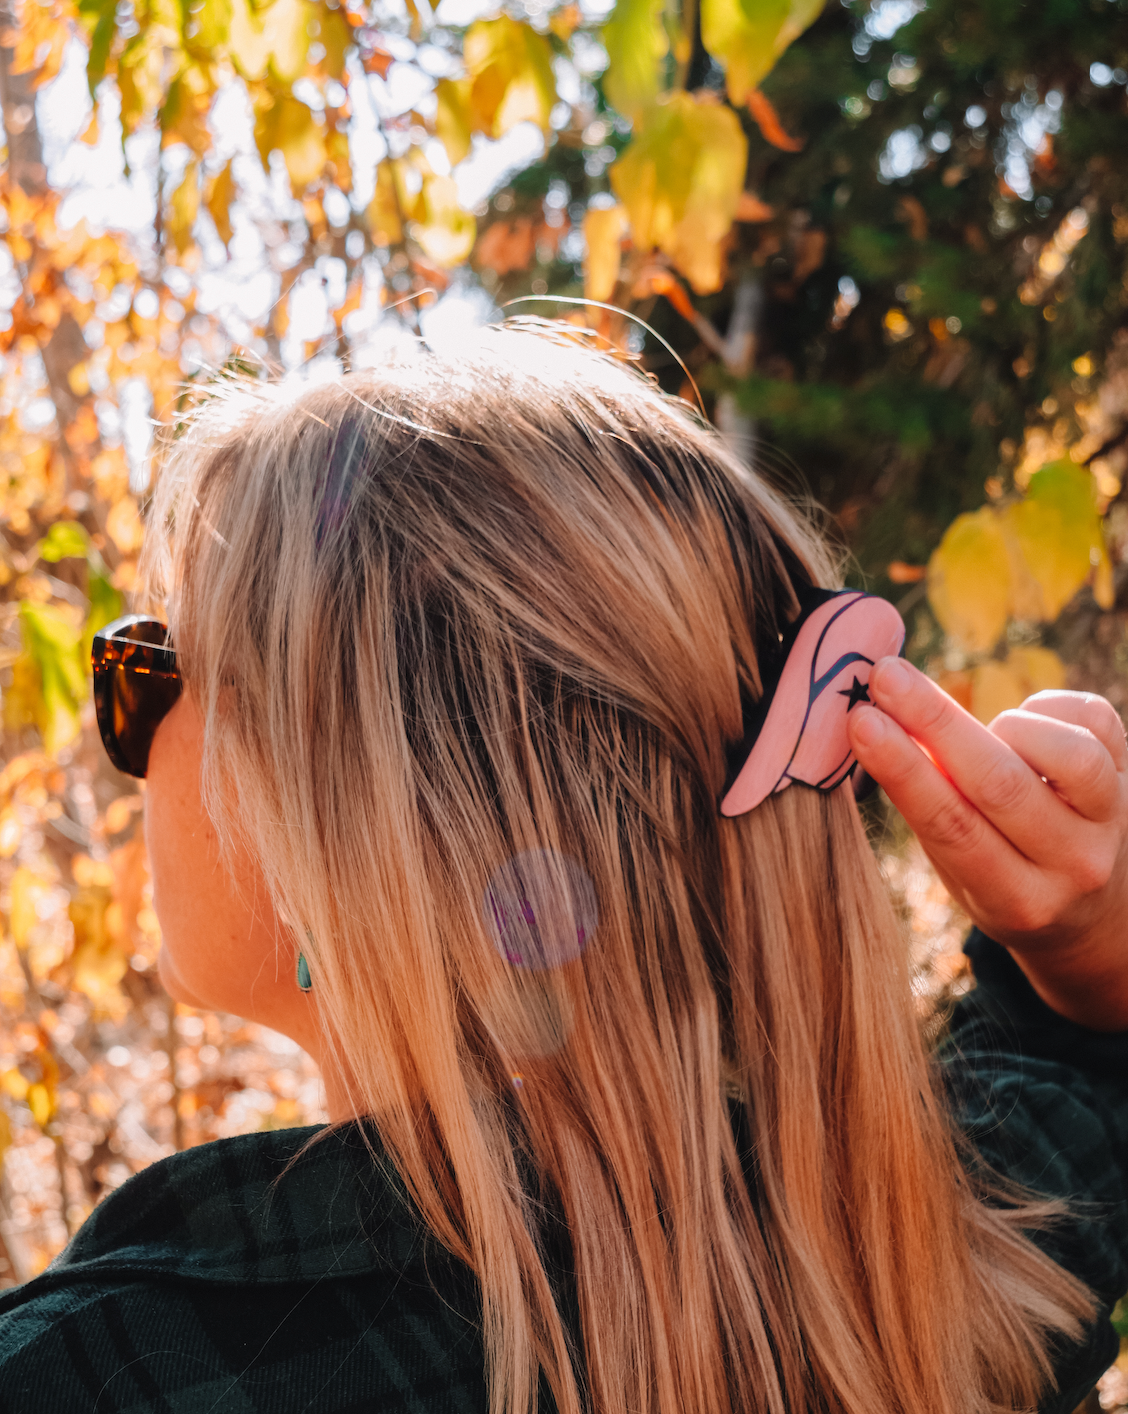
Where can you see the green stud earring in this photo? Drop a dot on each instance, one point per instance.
(306, 982)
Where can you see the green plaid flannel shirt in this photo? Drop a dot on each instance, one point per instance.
(234, 1279)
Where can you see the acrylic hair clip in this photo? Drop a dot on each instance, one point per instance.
(797, 731)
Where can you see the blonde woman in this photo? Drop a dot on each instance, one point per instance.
(509, 777)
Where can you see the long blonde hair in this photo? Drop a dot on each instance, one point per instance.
(507, 605)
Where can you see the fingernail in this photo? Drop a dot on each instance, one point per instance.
(869, 727)
(893, 676)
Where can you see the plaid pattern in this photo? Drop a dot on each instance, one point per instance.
(256, 1276)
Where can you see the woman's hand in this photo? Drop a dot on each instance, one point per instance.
(1026, 822)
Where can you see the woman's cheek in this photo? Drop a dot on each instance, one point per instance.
(222, 947)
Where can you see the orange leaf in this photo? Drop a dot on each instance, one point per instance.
(352, 302)
(663, 283)
(377, 61)
(751, 208)
(768, 122)
(901, 573)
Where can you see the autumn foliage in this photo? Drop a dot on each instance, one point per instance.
(806, 216)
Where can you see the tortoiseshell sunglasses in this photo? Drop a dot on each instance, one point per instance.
(136, 683)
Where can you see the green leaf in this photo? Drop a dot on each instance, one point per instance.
(969, 580)
(65, 540)
(510, 69)
(748, 36)
(636, 44)
(106, 604)
(1058, 532)
(213, 24)
(680, 180)
(53, 645)
(100, 19)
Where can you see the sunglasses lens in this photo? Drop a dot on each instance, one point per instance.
(136, 685)
(139, 702)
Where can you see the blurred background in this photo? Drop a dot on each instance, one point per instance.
(884, 245)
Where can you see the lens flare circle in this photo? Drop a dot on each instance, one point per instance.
(540, 909)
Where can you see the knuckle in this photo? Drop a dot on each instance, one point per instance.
(934, 710)
(1105, 718)
(1092, 870)
(954, 826)
(1030, 916)
(1003, 786)
(1089, 762)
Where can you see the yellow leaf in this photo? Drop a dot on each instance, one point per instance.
(603, 231)
(123, 524)
(969, 580)
(27, 889)
(41, 1103)
(452, 118)
(248, 44)
(14, 1084)
(91, 873)
(388, 206)
(98, 962)
(636, 44)
(747, 38)
(219, 193)
(5, 1135)
(1058, 531)
(119, 813)
(680, 180)
(287, 125)
(1040, 669)
(339, 158)
(998, 687)
(22, 698)
(184, 113)
(443, 229)
(510, 70)
(274, 37)
(141, 74)
(182, 208)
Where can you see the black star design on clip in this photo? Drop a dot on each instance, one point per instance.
(858, 693)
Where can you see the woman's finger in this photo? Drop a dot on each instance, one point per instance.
(982, 767)
(963, 844)
(1069, 757)
(1084, 709)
